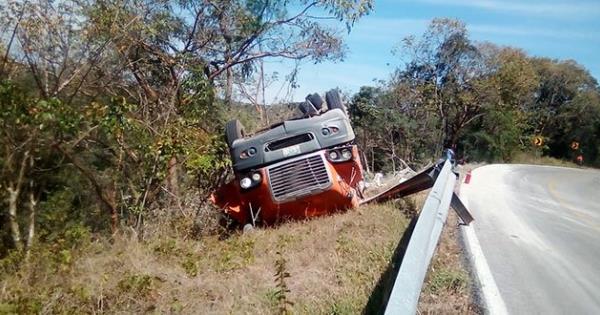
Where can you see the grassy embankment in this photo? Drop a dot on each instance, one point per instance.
(333, 265)
(529, 158)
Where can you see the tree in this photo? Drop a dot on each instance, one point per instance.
(365, 115)
(221, 35)
(443, 68)
(504, 91)
(565, 108)
(124, 100)
(161, 43)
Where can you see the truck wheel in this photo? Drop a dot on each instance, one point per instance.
(335, 101)
(316, 100)
(307, 108)
(233, 131)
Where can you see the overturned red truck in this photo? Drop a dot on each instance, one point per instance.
(295, 169)
(307, 167)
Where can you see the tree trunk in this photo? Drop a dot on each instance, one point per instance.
(264, 116)
(13, 197)
(229, 86)
(365, 142)
(366, 162)
(31, 232)
(372, 160)
(14, 190)
(173, 181)
(261, 114)
(393, 154)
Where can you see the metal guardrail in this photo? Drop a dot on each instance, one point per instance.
(423, 241)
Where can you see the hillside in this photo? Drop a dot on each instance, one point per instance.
(336, 265)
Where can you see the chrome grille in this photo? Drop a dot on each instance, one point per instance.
(299, 177)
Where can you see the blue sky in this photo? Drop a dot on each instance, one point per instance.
(553, 28)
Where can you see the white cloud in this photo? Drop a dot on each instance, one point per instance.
(391, 31)
(566, 9)
(382, 30)
(372, 39)
(531, 32)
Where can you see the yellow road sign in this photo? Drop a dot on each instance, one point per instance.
(538, 141)
(575, 145)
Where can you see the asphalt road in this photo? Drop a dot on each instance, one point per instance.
(539, 230)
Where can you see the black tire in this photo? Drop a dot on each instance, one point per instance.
(316, 100)
(307, 108)
(335, 101)
(233, 131)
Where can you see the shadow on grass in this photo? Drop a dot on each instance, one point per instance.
(380, 295)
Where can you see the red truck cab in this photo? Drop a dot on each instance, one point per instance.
(296, 169)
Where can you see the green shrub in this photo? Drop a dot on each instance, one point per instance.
(137, 284)
(447, 280)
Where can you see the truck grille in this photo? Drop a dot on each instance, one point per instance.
(300, 177)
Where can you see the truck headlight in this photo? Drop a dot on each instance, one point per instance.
(346, 154)
(245, 183)
(339, 154)
(250, 180)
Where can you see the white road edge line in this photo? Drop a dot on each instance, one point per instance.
(494, 304)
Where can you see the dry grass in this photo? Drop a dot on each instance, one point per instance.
(530, 158)
(339, 264)
(334, 264)
(448, 287)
